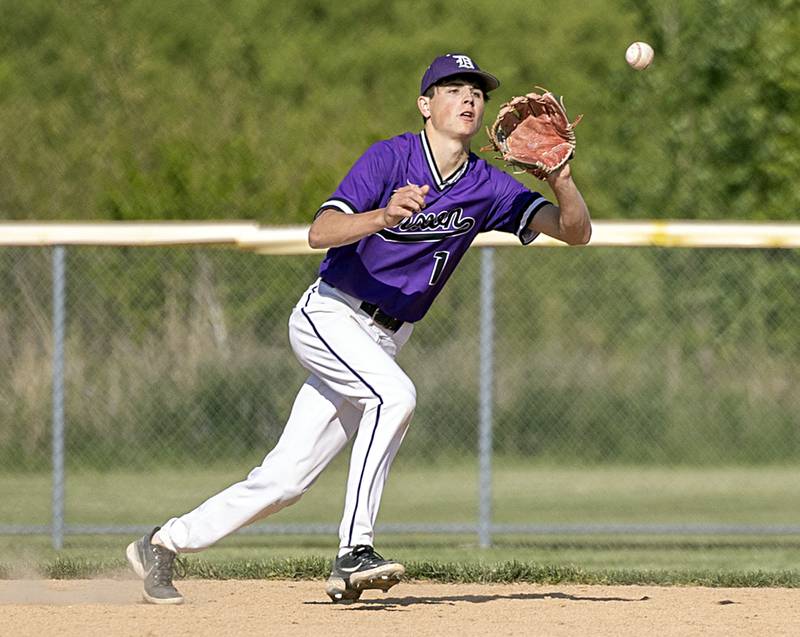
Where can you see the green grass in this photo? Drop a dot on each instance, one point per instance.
(523, 493)
(445, 491)
(595, 554)
(317, 567)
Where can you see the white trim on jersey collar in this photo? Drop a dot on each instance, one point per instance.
(441, 183)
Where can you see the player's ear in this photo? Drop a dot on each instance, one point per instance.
(424, 106)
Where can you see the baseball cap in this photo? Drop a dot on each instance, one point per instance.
(455, 64)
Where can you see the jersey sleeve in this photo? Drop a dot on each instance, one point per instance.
(363, 186)
(514, 208)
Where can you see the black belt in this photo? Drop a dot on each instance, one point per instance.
(381, 317)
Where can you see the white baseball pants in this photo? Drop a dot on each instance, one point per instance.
(355, 387)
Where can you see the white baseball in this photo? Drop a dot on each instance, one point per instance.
(639, 55)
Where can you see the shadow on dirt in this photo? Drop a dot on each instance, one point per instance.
(394, 602)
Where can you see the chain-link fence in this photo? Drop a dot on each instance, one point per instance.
(635, 389)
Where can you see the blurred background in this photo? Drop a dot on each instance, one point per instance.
(253, 109)
(644, 408)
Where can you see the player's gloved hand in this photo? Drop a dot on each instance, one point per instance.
(533, 134)
(405, 202)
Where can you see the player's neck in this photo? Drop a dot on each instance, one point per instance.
(448, 152)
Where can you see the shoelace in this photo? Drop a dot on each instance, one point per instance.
(366, 550)
(164, 562)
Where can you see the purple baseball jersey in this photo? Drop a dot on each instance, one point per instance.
(402, 269)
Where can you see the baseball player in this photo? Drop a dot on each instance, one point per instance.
(395, 229)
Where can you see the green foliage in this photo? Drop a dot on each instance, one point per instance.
(713, 125)
(602, 356)
(669, 355)
(202, 110)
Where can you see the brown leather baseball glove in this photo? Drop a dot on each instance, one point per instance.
(533, 133)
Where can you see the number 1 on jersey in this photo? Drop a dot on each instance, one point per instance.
(438, 267)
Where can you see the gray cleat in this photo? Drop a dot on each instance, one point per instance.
(359, 570)
(154, 564)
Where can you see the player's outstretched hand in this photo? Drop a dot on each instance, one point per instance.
(404, 202)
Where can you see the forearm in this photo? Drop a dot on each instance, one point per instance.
(333, 228)
(574, 223)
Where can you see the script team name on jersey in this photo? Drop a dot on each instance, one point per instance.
(430, 226)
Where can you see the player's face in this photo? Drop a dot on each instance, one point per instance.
(457, 109)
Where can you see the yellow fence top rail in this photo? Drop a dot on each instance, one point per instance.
(293, 239)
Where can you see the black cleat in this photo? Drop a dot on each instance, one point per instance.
(361, 569)
(154, 564)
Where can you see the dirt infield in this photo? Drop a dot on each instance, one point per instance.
(286, 608)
